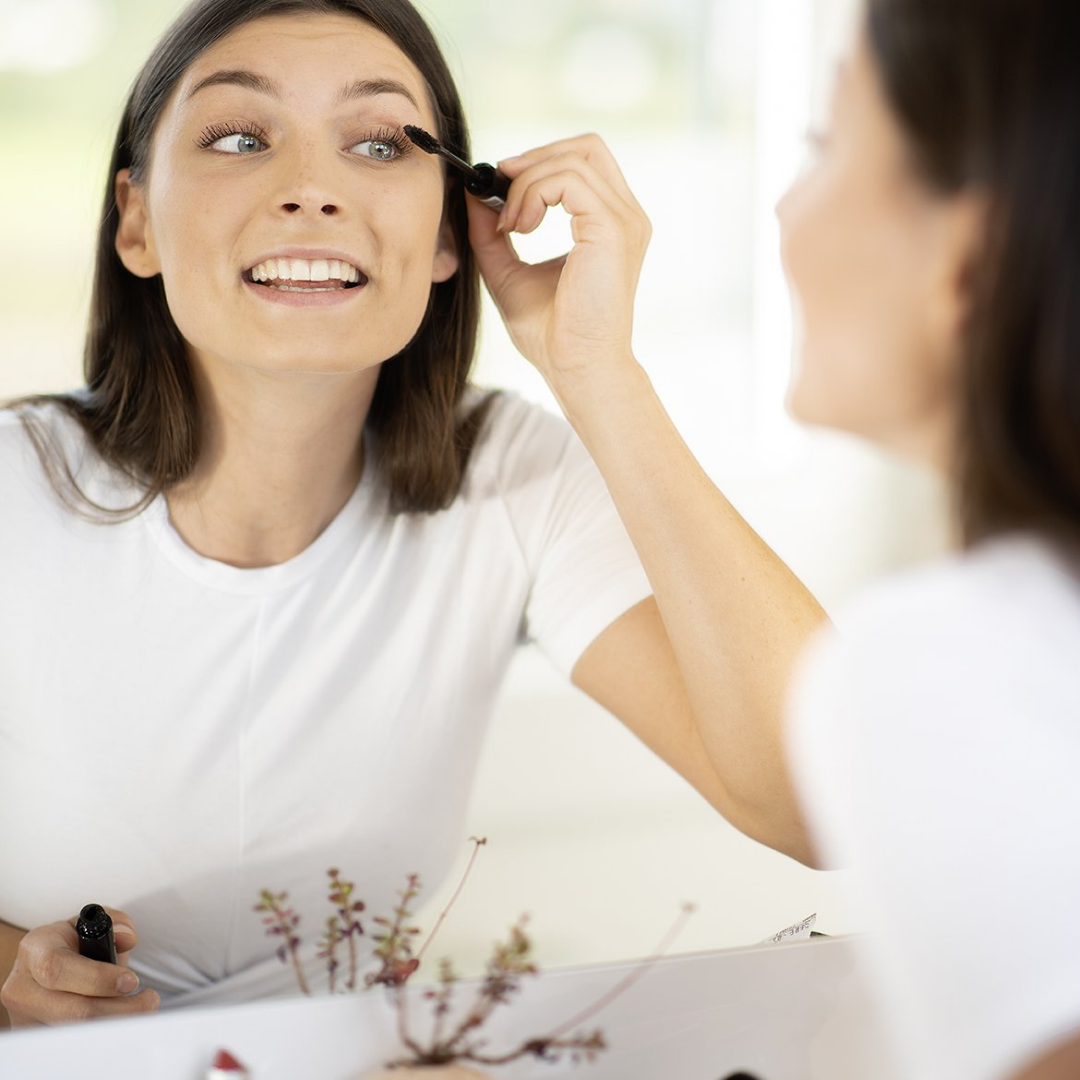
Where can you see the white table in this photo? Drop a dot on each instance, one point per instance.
(780, 1012)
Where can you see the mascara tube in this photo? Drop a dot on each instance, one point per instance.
(95, 932)
(488, 185)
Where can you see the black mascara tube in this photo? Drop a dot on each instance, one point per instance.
(489, 185)
(95, 932)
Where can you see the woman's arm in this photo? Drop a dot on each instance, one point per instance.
(700, 674)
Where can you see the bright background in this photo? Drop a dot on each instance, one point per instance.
(705, 104)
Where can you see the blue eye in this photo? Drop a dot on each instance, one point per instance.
(241, 142)
(376, 149)
(237, 137)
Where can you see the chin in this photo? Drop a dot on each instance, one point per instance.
(307, 364)
(817, 394)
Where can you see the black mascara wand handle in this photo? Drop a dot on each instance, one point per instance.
(489, 185)
(95, 932)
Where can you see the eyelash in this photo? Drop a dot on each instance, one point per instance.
(211, 134)
(394, 137)
(391, 136)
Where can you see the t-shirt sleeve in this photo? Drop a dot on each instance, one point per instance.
(935, 746)
(583, 569)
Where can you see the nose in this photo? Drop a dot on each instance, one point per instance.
(310, 183)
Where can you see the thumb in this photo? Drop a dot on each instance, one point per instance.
(123, 930)
(494, 252)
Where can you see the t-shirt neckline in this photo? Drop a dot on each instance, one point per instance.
(263, 579)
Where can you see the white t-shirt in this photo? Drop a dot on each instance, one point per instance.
(936, 743)
(177, 734)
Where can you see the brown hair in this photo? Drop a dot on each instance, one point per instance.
(988, 92)
(140, 408)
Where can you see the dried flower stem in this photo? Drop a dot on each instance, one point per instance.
(631, 977)
(393, 946)
(349, 926)
(478, 843)
(330, 940)
(282, 921)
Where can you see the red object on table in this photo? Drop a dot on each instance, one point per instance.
(227, 1063)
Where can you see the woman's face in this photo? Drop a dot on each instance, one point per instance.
(877, 265)
(280, 157)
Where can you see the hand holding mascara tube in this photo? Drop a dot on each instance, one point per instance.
(76, 970)
(571, 316)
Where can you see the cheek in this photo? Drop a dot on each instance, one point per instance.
(408, 255)
(854, 271)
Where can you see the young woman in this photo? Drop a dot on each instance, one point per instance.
(262, 577)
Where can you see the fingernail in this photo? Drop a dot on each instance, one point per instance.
(128, 982)
(122, 928)
(501, 227)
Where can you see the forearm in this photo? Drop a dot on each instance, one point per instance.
(10, 936)
(735, 615)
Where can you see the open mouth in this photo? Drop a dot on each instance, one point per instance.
(306, 275)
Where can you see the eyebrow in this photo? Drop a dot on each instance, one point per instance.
(250, 80)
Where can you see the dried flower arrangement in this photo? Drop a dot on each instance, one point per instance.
(449, 1042)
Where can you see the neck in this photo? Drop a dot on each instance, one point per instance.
(282, 454)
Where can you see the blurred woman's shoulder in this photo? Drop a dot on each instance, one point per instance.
(992, 632)
(1015, 586)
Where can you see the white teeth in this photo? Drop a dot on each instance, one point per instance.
(305, 270)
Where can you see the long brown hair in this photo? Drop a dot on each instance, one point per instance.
(140, 408)
(988, 92)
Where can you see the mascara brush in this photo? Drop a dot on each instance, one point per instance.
(482, 180)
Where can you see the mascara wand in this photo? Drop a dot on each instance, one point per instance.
(482, 180)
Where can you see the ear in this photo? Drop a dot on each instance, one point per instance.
(961, 242)
(134, 237)
(446, 261)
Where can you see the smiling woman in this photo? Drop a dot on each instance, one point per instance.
(171, 150)
(294, 549)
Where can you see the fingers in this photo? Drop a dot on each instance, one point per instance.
(590, 147)
(567, 180)
(499, 263)
(580, 175)
(33, 1006)
(50, 983)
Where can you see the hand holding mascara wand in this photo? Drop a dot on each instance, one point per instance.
(482, 180)
(571, 316)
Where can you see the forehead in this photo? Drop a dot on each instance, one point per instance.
(326, 46)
